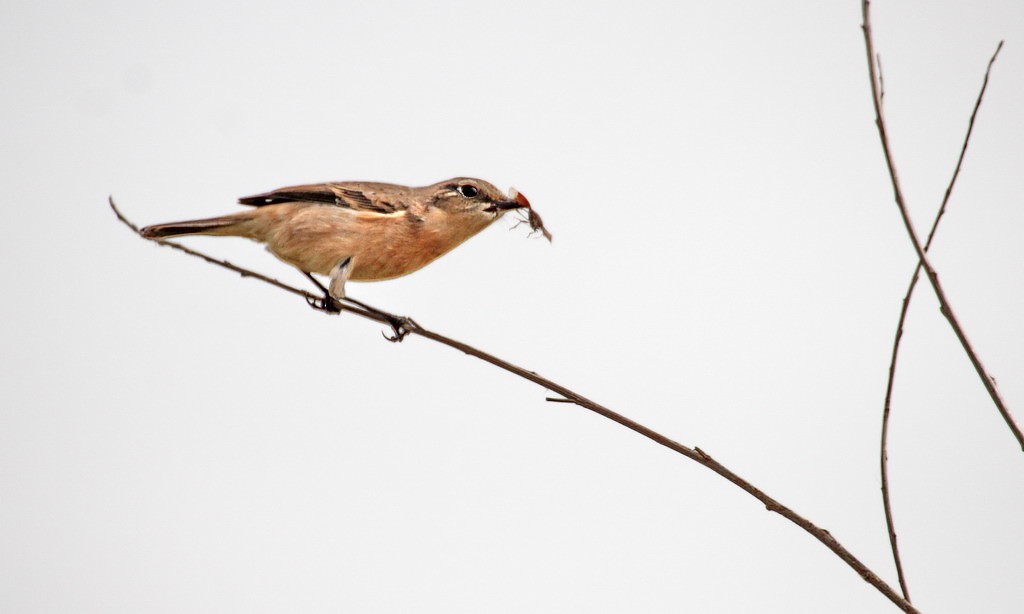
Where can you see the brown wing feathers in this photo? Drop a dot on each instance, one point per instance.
(327, 193)
(303, 193)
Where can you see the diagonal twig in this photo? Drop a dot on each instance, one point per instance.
(903, 316)
(933, 277)
(568, 396)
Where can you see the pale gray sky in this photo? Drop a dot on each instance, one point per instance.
(727, 268)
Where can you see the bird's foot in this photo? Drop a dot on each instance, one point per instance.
(401, 325)
(326, 304)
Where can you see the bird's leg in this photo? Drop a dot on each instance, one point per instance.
(401, 325)
(335, 291)
(334, 294)
(327, 304)
(339, 275)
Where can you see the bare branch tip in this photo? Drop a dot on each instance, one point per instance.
(121, 217)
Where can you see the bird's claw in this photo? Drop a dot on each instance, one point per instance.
(401, 326)
(326, 304)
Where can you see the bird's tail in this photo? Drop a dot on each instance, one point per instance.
(230, 225)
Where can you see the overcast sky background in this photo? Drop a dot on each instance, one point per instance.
(727, 268)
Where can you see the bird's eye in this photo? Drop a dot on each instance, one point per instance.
(469, 191)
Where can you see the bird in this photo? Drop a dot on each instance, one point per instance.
(359, 230)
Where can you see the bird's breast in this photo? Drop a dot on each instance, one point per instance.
(315, 238)
(409, 244)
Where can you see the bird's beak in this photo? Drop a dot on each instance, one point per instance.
(515, 201)
(503, 205)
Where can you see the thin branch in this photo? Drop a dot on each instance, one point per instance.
(963, 150)
(695, 454)
(881, 78)
(903, 316)
(933, 277)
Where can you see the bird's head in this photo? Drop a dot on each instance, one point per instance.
(476, 198)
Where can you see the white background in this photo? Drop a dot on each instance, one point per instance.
(727, 268)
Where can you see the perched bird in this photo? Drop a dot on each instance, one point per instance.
(363, 231)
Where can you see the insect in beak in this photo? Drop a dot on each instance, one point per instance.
(536, 224)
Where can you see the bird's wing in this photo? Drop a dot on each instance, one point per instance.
(348, 196)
